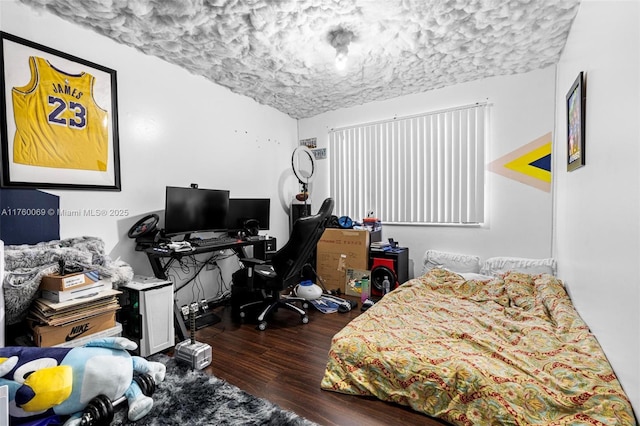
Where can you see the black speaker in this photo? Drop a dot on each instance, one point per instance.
(392, 263)
(298, 211)
(265, 249)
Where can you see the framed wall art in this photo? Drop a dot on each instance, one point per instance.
(576, 124)
(59, 119)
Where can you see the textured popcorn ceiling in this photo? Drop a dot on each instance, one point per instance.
(282, 53)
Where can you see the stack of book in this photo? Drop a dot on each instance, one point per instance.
(73, 309)
(380, 246)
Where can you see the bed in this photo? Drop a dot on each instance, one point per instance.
(498, 347)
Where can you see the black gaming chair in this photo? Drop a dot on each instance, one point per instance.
(285, 267)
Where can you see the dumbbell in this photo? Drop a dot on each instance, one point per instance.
(99, 411)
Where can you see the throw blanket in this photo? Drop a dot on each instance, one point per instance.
(25, 265)
(507, 351)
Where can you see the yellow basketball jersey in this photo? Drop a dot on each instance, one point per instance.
(58, 123)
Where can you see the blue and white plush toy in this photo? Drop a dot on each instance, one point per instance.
(61, 381)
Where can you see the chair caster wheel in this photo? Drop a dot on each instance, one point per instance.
(262, 326)
(305, 319)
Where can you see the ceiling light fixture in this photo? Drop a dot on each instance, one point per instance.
(340, 39)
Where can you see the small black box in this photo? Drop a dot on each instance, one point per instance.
(265, 249)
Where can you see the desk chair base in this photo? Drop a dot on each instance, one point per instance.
(279, 302)
(285, 267)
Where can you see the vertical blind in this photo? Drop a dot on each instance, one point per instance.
(423, 169)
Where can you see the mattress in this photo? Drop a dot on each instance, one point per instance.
(511, 350)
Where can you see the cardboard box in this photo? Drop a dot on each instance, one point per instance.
(77, 293)
(338, 250)
(55, 282)
(81, 341)
(47, 335)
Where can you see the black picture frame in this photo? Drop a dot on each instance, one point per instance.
(55, 135)
(576, 102)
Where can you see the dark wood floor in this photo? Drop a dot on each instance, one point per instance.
(285, 364)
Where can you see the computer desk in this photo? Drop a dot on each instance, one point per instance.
(161, 260)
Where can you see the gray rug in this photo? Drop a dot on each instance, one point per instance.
(191, 397)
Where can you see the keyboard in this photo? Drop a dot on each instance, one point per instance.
(213, 242)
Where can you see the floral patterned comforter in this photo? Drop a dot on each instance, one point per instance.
(509, 351)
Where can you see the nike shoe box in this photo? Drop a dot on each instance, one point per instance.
(49, 335)
(110, 332)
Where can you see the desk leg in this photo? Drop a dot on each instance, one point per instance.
(156, 266)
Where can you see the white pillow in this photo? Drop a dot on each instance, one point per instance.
(451, 261)
(476, 277)
(498, 265)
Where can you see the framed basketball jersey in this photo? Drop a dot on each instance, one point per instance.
(59, 129)
(58, 123)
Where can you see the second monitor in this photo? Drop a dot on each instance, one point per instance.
(244, 211)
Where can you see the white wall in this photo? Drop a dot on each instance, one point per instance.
(175, 129)
(597, 207)
(519, 216)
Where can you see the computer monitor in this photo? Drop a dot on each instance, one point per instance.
(243, 209)
(189, 210)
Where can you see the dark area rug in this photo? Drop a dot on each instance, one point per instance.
(191, 397)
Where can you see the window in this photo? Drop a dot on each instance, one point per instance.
(423, 169)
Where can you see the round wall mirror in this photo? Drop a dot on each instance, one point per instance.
(303, 163)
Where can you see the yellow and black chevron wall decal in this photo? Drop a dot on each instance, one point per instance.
(530, 164)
